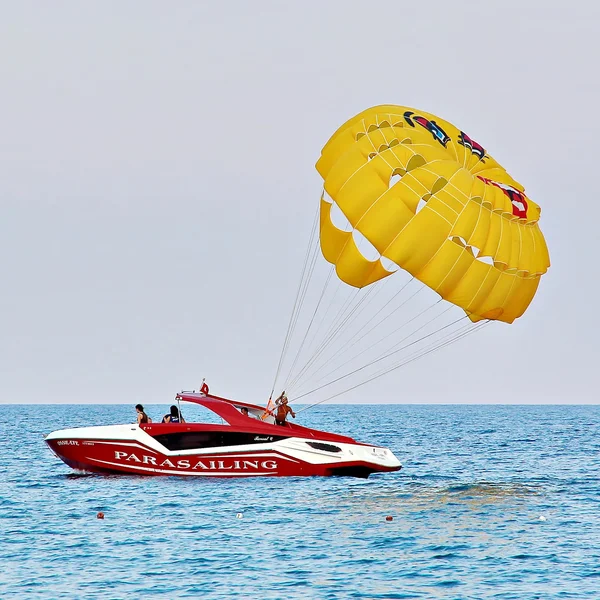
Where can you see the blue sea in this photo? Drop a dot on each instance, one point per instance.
(493, 502)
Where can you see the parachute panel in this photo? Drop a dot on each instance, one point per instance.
(467, 221)
(474, 287)
(491, 244)
(448, 266)
(482, 226)
(520, 298)
(388, 215)
(412, 249)
(492, 306)
(503, 251)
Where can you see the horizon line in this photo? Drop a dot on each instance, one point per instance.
(330, 404)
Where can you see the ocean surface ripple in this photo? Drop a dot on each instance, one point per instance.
(497, 502)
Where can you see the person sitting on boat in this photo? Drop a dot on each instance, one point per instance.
(204, 387)
(245, 412)
(283, 410)
(142, 417)
(174, 416)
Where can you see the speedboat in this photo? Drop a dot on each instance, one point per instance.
(243, 446)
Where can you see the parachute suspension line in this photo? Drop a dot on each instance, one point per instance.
(421, 313)
(342, 318)
(331, 271)
(342, 327)
(342, 313)
(368, 297)
(299, 298)
(381, 310)
(454, 336)
(335, 330)
(319, 348)
(304, 291)
(317, 328)
(463, 334)
(353, 341)
(444, 341)
(422, 326)
(380, 359)
(435, 344)
(330, 336)
(303, 296)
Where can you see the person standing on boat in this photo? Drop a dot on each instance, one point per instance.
(174, 416)
(283, 410)
(142, 417)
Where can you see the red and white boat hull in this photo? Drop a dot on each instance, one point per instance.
(130, 449)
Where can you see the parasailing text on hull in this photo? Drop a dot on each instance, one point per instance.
(195, 464)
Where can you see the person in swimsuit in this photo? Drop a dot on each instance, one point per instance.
(283, 410)
(174, 416)
(142, 417)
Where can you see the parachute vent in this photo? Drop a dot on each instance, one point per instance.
(364, 246)
(395, 178)
(339, 219)
(422, 204)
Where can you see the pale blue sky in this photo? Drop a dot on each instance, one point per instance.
(158, 185)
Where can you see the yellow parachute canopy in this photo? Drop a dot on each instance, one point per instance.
(431, 200)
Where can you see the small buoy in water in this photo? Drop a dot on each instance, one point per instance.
(239, 516)
(100, 515)
(542, 518)
(388, 518)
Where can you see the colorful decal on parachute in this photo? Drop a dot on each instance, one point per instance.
(517, 198)
(472, 145)
(438, 133)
